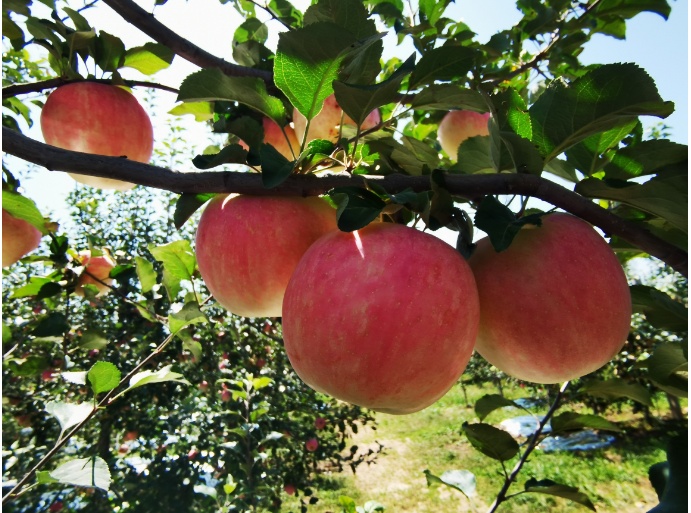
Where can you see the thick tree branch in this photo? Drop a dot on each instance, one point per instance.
(469, 186)
(156, 30)
(51, 83)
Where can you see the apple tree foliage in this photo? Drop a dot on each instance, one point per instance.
(92, 386)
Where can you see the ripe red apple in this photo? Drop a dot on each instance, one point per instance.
(311, 445)
(98, 268)
(326, 124)
(555, 305)
(98, 118)
(287, 145)
(248, 246)
(226, 396)
(384, 317)
(289, 489)
(320, 423)
(19, 238)
(130, 435)
(459, 125)
(55, 507)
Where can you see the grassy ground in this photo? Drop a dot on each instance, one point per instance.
(615, 478)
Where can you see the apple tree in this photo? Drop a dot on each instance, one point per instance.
(404, 123)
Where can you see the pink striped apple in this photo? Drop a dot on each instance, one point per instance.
(459, 125)
(19, 238)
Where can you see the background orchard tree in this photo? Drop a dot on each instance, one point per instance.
(154, 372)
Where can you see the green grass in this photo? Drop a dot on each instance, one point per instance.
(615, 478)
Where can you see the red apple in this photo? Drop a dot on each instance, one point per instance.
(55, 507)
(130, 435)
(311, 445)
(98, 118)
(320, 423)
(555, 305)
(289, 489)
(286, 144)
(248, 246)
(384, 317)
(459, 125)
(326, 124)
(19, 238)
(226, 396)
(96, 272)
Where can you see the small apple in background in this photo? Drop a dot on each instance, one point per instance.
(289, 489)
(204, 386)
(55, 507)
(273, 135)
(320, 423)
(98, 118)
(123, 449)
(312, 445)
(192, 454)
(19, 238)
(96, 272)
(226, 396)
(555, 305)
(248, 246)
(326, 124)
(130, 435)
(384, 317)
(459, 125)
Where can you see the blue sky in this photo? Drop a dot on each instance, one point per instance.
(658, 46)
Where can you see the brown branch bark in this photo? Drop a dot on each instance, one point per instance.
(51, 83)
(468, 186)
(156, 30)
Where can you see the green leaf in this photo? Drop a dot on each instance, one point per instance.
(93, 339)
(212, 84)
(587, 156)
(44, 477)
(474, 156)
(490, 402)
(549, 487)
(491, 441)
(188, 314)
(606, 97)
(647, 158)
(177, 258)
(445, 63)
(23, 208)
(630, 8)
(148, 377)
(29, 366)
(674, 478)
(616, 388)
(68, 414)
(89, 472)
(307, 62)
(662, 196)
(461, 480)
(186, 205)
(358, 101)
(500, 223)
(231, 154)
(202, 111)
(149, 58)
(668, 368)
(347, 504)
(251, 29)
(660, 310)
(449, 97)
(357, 207)
(146, 273)
(572, 421)
(261, 382)
(104, 377)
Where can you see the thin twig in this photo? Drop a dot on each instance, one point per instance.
(35, 87)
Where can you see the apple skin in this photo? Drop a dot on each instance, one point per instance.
(555, 305)
(459, 125)
(19, 238)
(287, 145)
(326, 124)
(312, 445)
(248, 246)
(98, 118)
(100, 267)
(384, 317)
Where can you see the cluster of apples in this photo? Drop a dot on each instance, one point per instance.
(387, 317)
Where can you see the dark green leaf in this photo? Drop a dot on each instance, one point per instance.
(646, 158)
(572, 421)
(672, 477)
(443, 64)
(549, 487)
(449, 97)
(357, 207)
(110, 52)
(53, 324)
(617, 388)
(189, 314)
(500, 223)
(630, 8)
(188, 204)
(275, 167)
(490, 402)
(660, 310)
(668, 368)
(231, 154)
(93, 339)
(491, 441)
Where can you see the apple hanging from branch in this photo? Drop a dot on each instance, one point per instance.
(555, 305)
(96, 272)
(248, 246)
(98, 118)
(384, 317)
(459, 125)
